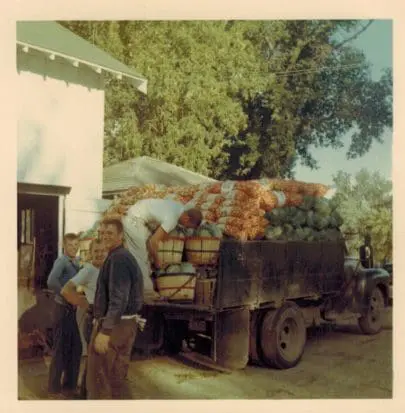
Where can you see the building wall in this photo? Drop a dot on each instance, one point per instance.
(82, 214)
(60, 125)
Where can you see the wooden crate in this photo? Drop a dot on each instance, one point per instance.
(204, 291)
(176, 286)
(202, 251)
(171, 251)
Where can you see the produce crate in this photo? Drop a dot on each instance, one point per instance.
(202, 250)
(176, 286)
(171, 251)
(204, 291)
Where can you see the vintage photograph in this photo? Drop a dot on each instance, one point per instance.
(204, 209)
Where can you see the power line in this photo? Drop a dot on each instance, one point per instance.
(319, 69)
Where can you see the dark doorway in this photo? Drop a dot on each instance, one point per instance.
(37, 222)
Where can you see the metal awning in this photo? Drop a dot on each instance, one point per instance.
(39, 189)
(56, 41)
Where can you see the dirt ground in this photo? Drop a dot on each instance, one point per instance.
(339, 363)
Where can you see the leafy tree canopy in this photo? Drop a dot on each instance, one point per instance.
(365, 203)
(239, 99)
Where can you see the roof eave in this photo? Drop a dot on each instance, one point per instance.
(139, 83)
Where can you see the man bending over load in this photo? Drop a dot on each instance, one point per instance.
(150, 221)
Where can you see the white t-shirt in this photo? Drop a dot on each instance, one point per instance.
(87, 277)
(155, 212)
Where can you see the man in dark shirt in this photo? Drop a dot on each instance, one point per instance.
(119, 297)
(67, 347)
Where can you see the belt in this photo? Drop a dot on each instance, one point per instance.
(139, 320)
(129, 317)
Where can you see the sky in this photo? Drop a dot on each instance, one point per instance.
(376, 42)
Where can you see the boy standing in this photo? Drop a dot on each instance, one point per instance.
(67, 347)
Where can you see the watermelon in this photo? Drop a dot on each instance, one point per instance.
(178, 232)
(299, 219)
(321, 206)
(173, 268)
(208, 230)
(187, 267)
(273, 232)
(308, 203)
(310, 219)
(320, 221)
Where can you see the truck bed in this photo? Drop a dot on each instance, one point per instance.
(264, 273)
(255, 273)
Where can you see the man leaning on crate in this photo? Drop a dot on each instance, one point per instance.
(150, 221)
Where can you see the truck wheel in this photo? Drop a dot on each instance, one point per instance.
(371, 322)
(282, 336)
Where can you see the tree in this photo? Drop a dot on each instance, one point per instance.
(195, 71)
(365, 203)
(321, 90)
(240, 99)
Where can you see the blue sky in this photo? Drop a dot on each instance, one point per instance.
(376, 42)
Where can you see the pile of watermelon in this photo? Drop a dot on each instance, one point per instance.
(315, 219)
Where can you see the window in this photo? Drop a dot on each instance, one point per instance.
(27, 226)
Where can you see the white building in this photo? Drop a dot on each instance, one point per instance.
(60, 136)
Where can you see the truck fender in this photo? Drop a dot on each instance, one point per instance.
(367, 280)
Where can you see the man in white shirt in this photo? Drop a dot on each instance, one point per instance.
(149, 222)
(85, 280)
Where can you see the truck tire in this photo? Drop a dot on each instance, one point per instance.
(371, 321)
(282, 336)
(232, 338)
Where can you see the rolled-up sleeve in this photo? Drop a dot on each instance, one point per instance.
(55, 277)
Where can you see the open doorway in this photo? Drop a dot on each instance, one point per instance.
(37, 222)
(39, 216)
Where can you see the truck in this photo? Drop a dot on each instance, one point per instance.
(265, 295)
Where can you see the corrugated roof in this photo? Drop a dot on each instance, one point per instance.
(145, 170)
(54, 39)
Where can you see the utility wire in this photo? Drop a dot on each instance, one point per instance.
(319, 69)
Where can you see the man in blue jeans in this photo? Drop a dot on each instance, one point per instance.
(118, 299)
(67, 347)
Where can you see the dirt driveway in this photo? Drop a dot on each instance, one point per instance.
(336, 364)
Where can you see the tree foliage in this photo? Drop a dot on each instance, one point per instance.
(239, 99)
(322, 89)
(365, 203)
